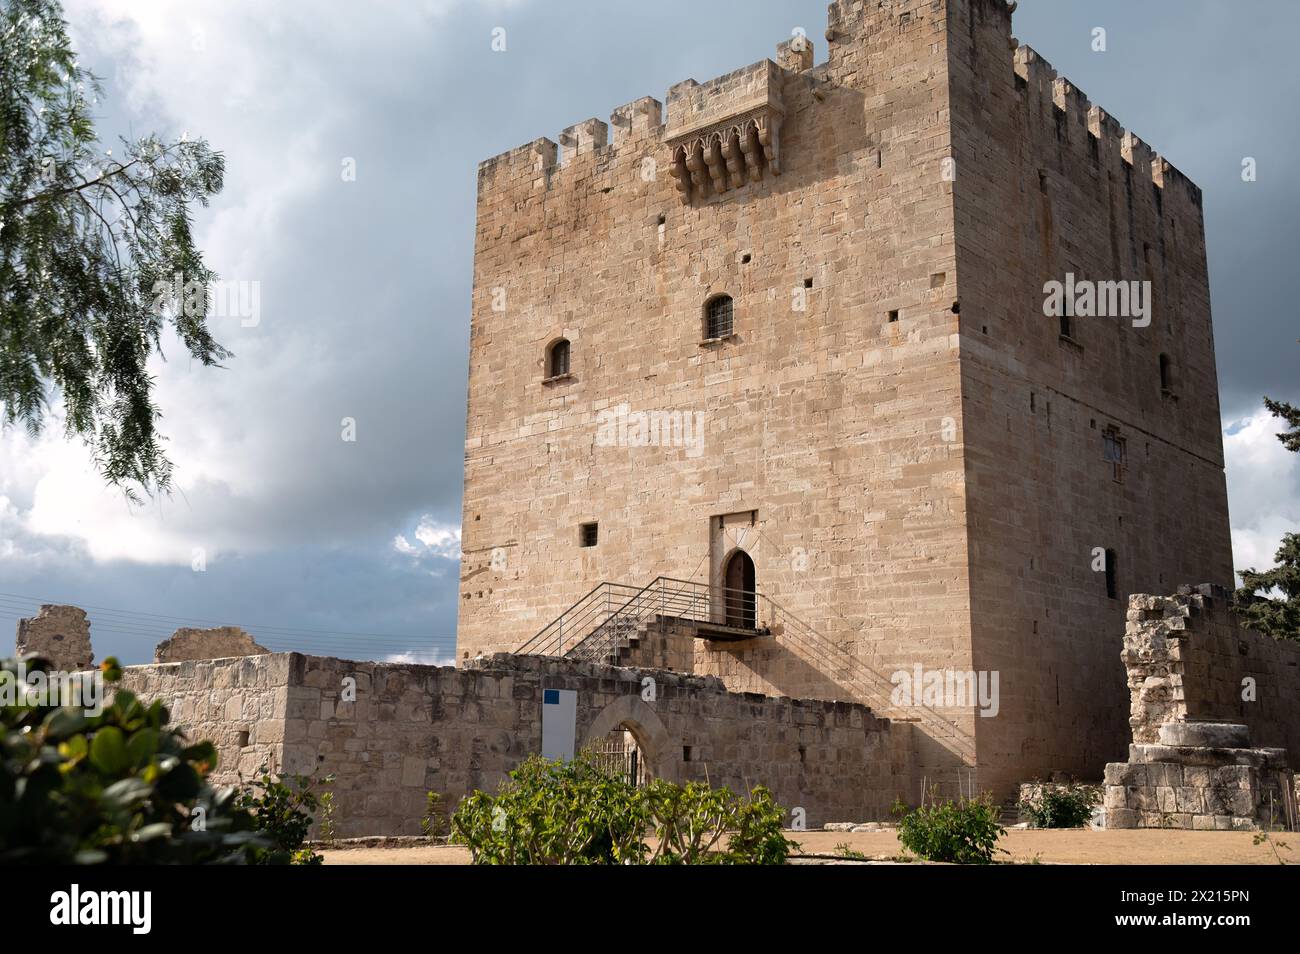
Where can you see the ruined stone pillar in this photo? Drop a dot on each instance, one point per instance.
(60, 634)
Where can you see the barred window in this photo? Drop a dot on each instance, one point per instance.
(718, 317)
(557, 361)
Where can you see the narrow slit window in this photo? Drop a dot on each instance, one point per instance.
(1114, 453)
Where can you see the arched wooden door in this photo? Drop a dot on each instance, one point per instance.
(738, 595)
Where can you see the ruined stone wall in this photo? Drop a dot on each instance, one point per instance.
(1188, 659)
(61, 634)
(1047, 184)
(215, 643)
(1214, 719)
(831, 448)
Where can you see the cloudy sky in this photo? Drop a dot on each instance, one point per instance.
(351, 548)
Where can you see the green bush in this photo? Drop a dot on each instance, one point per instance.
(282, 808)
(965, 831)
(434, 823)
(1063, 805)
(580, 812)
(118, 787)
(549, 813)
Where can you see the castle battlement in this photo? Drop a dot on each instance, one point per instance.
(745, 101)
(718, 134)
(1091, 128)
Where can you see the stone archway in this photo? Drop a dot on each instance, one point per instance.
(739, 600)
(662, 758)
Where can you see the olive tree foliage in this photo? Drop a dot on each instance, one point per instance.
(90, 240)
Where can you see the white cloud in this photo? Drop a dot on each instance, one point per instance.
(422, 658)
(433, 539)
(1263, 488)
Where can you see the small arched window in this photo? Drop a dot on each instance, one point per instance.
(718, 317)
(1166, 374)
(557, 358)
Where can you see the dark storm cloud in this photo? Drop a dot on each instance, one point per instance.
(366, 284)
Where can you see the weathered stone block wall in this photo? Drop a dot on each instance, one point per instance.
(916, 458)
(832, 451)
(1189, 659)
(1046, 184)
(661, 644)
(1200, 788)
(239, 703)
(390, 733)
(419, 728)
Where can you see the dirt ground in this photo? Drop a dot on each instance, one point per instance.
(1081, 846)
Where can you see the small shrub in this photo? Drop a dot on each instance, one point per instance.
(695, 824)
(282, 807)
(965, 831)
(581, 812)
(757, 837)
(434, 824)
(1065, 805)
(328, 829)
(549, 813)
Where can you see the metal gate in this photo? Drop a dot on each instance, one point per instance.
(618, 753)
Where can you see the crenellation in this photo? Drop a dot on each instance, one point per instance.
(1074, 103)
(634, 120)
(1034, 70)
(1137, 154)
(795, 55)
(580, 139)
(526, 164)
(1104, 126)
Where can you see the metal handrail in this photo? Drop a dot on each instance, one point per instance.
(611, 608)
(598, 625)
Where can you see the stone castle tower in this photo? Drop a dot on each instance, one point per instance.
(789, 337)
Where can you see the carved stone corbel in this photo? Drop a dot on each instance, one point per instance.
(726, 133)
(769, 134)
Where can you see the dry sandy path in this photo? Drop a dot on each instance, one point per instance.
(1142, 846)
